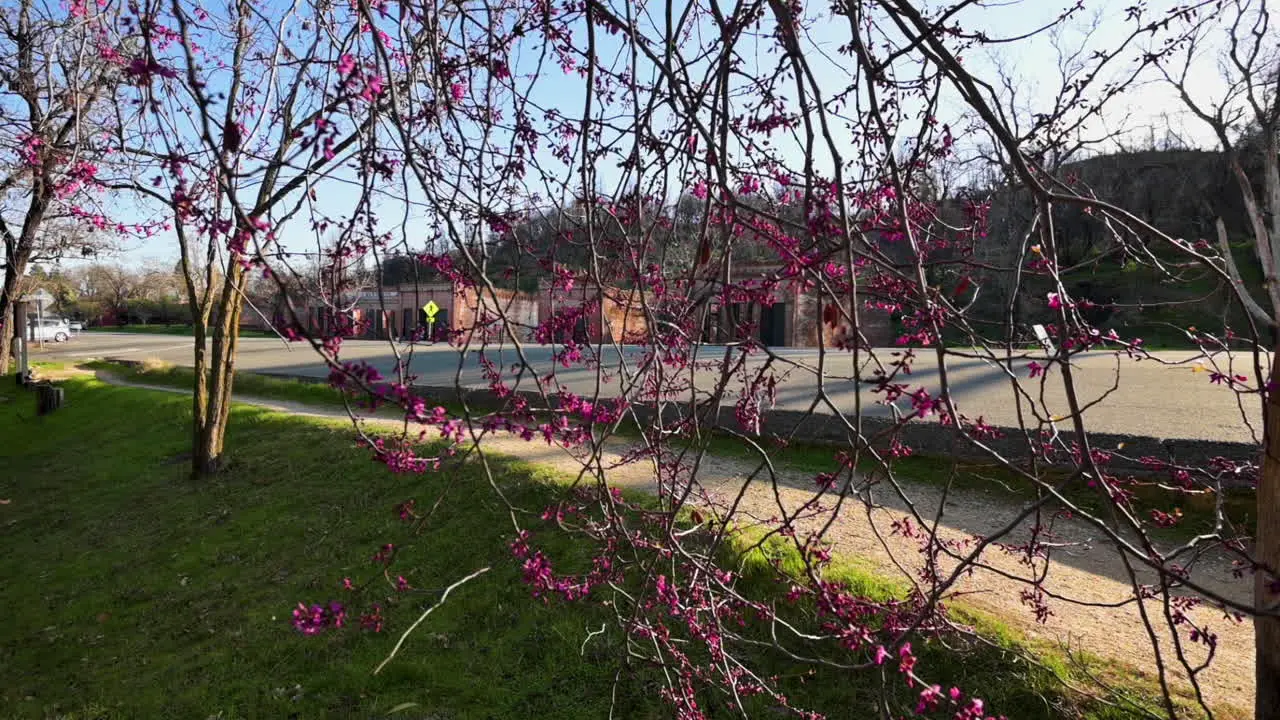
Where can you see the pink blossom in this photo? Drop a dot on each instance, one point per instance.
(881, 655)
(929, 698)
(373, 620)
(372, 88)
(346, 65)
(317, 618)
(144, 70)
(906, 661)
(384, 554)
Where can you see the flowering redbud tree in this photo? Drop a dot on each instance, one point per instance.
(690, 187)
(242, 117)
(55, 138)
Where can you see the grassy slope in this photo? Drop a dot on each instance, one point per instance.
(134, 593)
(185, 330)
(246, 383)
(1199, 512)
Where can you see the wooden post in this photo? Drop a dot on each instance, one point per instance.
(48, 398)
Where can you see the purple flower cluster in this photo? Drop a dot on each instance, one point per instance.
(314, 619)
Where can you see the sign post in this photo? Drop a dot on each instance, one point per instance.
(1042, 336)
(431, 309)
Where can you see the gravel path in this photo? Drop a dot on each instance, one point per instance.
(1086, 568)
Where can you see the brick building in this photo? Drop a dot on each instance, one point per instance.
(398, 312)
(624, 320)
(792, 321)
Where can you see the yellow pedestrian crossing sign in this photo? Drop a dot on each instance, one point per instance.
(431, 308)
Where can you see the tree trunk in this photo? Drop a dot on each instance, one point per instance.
(1266, 630)
(6, 333)
(200, 462)
(13, 271)
(215, 375)
(1267, 553)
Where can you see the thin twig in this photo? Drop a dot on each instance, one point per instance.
(424, 615)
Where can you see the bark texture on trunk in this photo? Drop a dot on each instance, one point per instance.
(215, 376)
(6, 335)
(1267, 553)
(14, 269)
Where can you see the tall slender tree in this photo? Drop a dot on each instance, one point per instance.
(245, 115)
(55, 118)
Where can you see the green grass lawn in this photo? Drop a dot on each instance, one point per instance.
(132, 592)
(246, 383)
(185, 330)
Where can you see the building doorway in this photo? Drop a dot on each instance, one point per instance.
(773, 324)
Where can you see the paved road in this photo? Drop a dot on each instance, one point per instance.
(1151, 399)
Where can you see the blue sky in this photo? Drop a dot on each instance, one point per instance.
(1032, 63)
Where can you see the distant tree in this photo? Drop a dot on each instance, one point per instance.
(112, 286)
(403, 269)
(54, 93)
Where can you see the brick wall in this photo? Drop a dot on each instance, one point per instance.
(477, 310)
(623, 313)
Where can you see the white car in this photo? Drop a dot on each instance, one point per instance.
(55, 329)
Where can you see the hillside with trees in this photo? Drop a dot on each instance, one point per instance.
(1136, 287)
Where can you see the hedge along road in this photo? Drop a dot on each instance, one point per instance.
(1150, 399)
